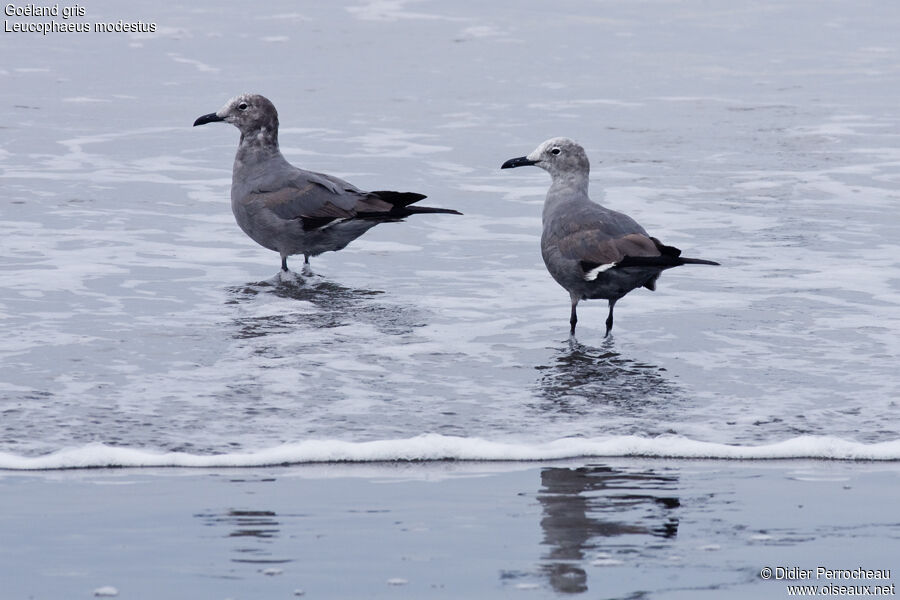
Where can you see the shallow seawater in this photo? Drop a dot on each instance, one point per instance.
(608, 528)
(136, 314)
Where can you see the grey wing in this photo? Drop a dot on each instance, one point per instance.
(319, 199)
(597, 235)
(594, 248)
(597, 248)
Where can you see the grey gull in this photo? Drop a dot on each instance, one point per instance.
(590, 250)
(290, 210)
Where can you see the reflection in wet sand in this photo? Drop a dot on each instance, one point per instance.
(254, 523)
(254, 528)
(585, 508)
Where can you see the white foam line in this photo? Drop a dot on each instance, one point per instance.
(433, 447)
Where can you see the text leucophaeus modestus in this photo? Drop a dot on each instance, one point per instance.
(292, 211)
(590, 250)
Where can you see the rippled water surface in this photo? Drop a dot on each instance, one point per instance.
(764, 136)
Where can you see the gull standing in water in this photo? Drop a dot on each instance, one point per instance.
(590, 250)
(292, 211)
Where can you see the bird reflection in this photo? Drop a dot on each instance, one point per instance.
(599, 375)
(585, 508)
(333, 305)
(254, 528)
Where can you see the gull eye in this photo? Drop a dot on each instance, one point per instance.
(242, 106)
(555, 151)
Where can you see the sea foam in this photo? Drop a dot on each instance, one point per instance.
(434, 447)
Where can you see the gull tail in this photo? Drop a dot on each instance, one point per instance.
(401, 201)
(663, 262)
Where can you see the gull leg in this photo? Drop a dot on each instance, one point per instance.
(609, 319)
(284, 263)
(574, 318)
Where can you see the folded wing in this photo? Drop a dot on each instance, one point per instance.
(319, 200)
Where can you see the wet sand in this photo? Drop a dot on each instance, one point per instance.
(622, 528)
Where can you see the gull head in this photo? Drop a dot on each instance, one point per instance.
(250, 113)
(557, 156)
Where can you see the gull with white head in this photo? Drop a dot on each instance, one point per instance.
(590, 250)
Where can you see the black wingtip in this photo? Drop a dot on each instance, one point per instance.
(401, 204)
(663, 249)
(413, 210)
(399, 198)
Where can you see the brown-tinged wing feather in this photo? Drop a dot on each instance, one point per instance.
(595, 247)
